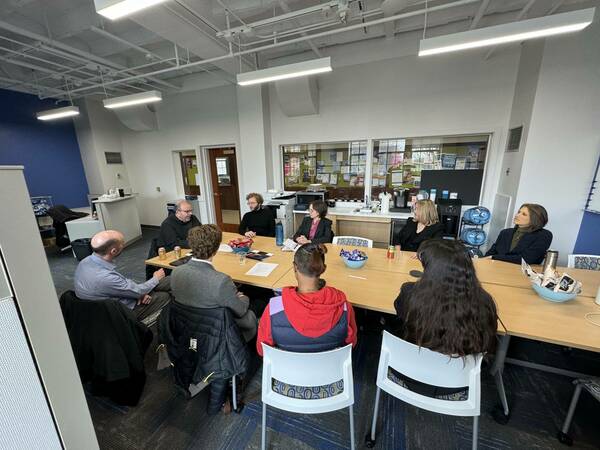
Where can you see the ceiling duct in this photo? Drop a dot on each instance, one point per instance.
(138, 118)
(390, 8)
(298, 96)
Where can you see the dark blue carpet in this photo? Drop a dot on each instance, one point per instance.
(165, 420)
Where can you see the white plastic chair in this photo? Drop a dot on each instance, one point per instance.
(589, 262)
(310, 370)
(352, 240)
(432, 368)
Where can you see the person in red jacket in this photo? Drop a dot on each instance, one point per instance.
(311, 317)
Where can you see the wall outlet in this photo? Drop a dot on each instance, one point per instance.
(157, 188)
(118, 176)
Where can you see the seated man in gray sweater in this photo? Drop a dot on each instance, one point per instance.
(96, 278)
(200, 285)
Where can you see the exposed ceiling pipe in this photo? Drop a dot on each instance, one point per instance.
(287, 9)
(125, 42)
(479, 14)
(389, 8)
(90, 56)
(520, 16)
(293, 41)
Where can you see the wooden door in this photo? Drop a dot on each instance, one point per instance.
(189, 170)
(223, 174)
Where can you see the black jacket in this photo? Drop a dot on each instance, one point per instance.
(409, 239)
(261, 221)
(108, 344)
(220, 348)
(532, 247)
(173, 232)
(323, 235)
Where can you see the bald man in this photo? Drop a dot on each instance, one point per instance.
(175, 228)
(96, 278)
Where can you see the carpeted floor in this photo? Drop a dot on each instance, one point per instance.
(165, 420)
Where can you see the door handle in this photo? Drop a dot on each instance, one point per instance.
(216, 194)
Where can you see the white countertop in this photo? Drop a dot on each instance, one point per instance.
(113, 200)
(351, 212)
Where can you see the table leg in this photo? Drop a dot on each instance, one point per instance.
(496, 371)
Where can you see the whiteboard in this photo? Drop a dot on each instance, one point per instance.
(593, 201)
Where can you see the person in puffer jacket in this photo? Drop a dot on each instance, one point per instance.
(311, 317)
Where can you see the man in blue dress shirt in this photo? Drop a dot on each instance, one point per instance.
(96, 278)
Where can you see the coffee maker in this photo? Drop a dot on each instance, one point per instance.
(400, 198)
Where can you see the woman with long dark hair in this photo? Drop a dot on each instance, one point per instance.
(447, 310)
(527, 240)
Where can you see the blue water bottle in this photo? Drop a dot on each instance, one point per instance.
(279, 233)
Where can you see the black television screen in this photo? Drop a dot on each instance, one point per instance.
(467, 183)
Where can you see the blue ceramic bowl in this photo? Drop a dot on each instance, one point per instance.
(240, 250)
(354, 264)
(557, 297)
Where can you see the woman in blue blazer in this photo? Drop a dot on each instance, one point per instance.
(528, 239)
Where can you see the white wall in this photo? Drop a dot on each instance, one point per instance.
(564, 138)
(408, 97)
(185, 121)
(98, 131)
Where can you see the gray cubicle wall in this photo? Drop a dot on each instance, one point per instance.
(42, 404)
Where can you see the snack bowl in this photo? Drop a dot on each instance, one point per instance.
(240, 245)
(354, 259)
(557, 297)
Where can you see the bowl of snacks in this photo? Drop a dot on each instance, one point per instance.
(354, 259)
(240, 245)
(553, 296)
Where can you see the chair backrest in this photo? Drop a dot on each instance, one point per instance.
(308, 370)
(352, 240)
(589, 262)
(431, 368)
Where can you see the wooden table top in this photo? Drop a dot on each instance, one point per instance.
(229, 263)
(507, 274)
(377, 284)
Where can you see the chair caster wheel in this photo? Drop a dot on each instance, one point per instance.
(240, 407)
(499, 416)
(370, 443)
(564, 438)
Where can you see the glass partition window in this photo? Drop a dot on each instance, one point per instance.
(339, 166)
(398, 164)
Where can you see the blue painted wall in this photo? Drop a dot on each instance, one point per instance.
(48, 150)
(588, 239)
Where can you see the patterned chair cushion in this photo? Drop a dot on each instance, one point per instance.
(460, 396)
(308, 392)
(587, 262)
(353, 241)
(592, 385)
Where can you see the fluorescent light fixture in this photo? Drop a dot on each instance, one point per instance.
(58, 113)
(133, 99)
(510, 32)
(300, 69)
(115, 9)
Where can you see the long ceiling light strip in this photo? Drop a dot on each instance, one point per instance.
(58, 113)
(132, 100)
(115, 9)
(510, 32)
(295, 70)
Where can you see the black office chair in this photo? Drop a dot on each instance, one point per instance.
(60, 215)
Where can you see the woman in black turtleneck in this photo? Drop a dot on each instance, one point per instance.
(259, 221)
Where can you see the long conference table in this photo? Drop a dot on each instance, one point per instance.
(376, 285)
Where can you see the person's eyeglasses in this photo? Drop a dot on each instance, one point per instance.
(187, 211)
